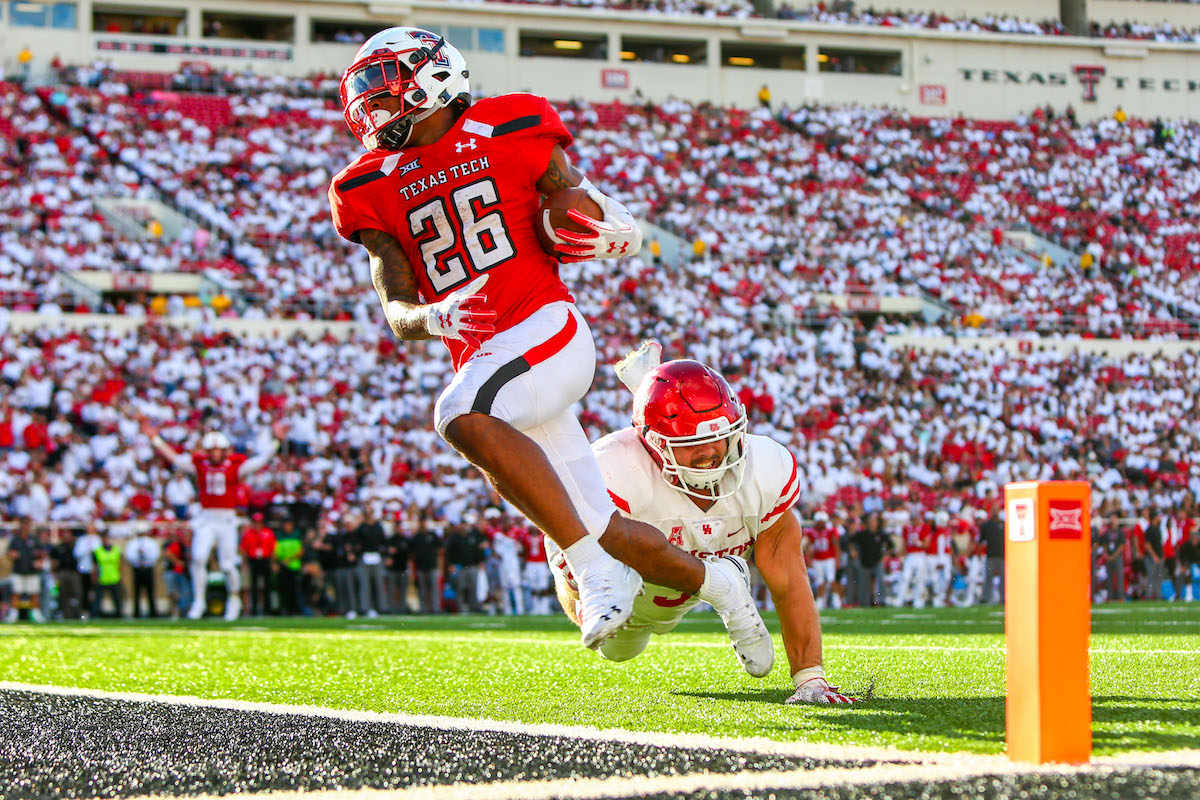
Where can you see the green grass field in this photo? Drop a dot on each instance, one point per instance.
(938, 674)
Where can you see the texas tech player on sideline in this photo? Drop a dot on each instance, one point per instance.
(536, 583)
(220, 473)
(445, 202)
(918, 538)
(941, 559)
(688, 468)
(822, 539)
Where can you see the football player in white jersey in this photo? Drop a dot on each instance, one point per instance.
(688, 467)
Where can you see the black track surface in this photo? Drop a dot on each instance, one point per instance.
(55, 747)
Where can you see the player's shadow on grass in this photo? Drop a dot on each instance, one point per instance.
(1139, 723)
(968, 718)
(1145, 723)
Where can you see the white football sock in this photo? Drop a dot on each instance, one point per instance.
(199, 584)
(715, 586)
(586, 555)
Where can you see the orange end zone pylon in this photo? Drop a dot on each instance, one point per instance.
(1047, 620)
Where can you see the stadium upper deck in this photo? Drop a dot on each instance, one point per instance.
(987, 66)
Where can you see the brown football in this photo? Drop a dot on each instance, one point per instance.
(553, 214)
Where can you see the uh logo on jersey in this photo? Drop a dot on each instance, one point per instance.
(704, 529)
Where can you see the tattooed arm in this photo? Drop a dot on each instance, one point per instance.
(396, 285)
(559, 174)
(614, 236)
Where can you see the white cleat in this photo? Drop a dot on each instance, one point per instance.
(606, 602)
(233, 609)
(195, 612)
(749, 636)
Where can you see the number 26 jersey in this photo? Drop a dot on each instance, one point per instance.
(464, 206)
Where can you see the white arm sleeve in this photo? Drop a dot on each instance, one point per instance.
(256, 463)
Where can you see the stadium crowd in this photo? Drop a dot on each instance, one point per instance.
(776, 206)
(906, 205)
(894, 439)
(853, 12)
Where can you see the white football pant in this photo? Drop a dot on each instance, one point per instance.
(914, 578)
(214, 526)
(529, 376)
(942, 573)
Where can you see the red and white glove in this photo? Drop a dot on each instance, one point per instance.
(615, 236)
(462, 315)
(811, 687)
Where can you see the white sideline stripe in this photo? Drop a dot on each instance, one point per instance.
(1172, 758)
(817, 750)
(964, 767)
(599, 788)
(335, 634)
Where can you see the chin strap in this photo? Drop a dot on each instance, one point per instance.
(396, 134)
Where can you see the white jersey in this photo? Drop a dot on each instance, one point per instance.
(508, 551)
(770, 486)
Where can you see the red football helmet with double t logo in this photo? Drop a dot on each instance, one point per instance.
(682, 404)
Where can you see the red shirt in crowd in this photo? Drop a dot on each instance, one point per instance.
(258, 542)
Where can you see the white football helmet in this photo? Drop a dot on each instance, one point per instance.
(421, 68)
(215, 440)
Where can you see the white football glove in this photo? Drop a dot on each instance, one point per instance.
(811, 687)
(462, 315)
(615, 236)
(634, 365)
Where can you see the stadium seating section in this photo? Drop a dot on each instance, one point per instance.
(786, 206)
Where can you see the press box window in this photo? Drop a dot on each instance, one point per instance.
(664, 51)
(487, 40)
(859, 62)
(345, 32)
(762, 56)
(42, 15)
(136, 19)
(257, 28)
(564, 45)
(490, 40)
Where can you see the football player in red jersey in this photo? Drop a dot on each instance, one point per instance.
(822, 539)
(220, 473)
(918, 538)
(445, 201)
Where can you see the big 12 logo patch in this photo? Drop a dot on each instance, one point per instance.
(1066, 519)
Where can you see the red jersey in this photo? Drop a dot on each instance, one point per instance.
(465, 205)
(916, 538)
(939, 542)
(535, 547)
(824, 543)
(258, 542)
(217, 484)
